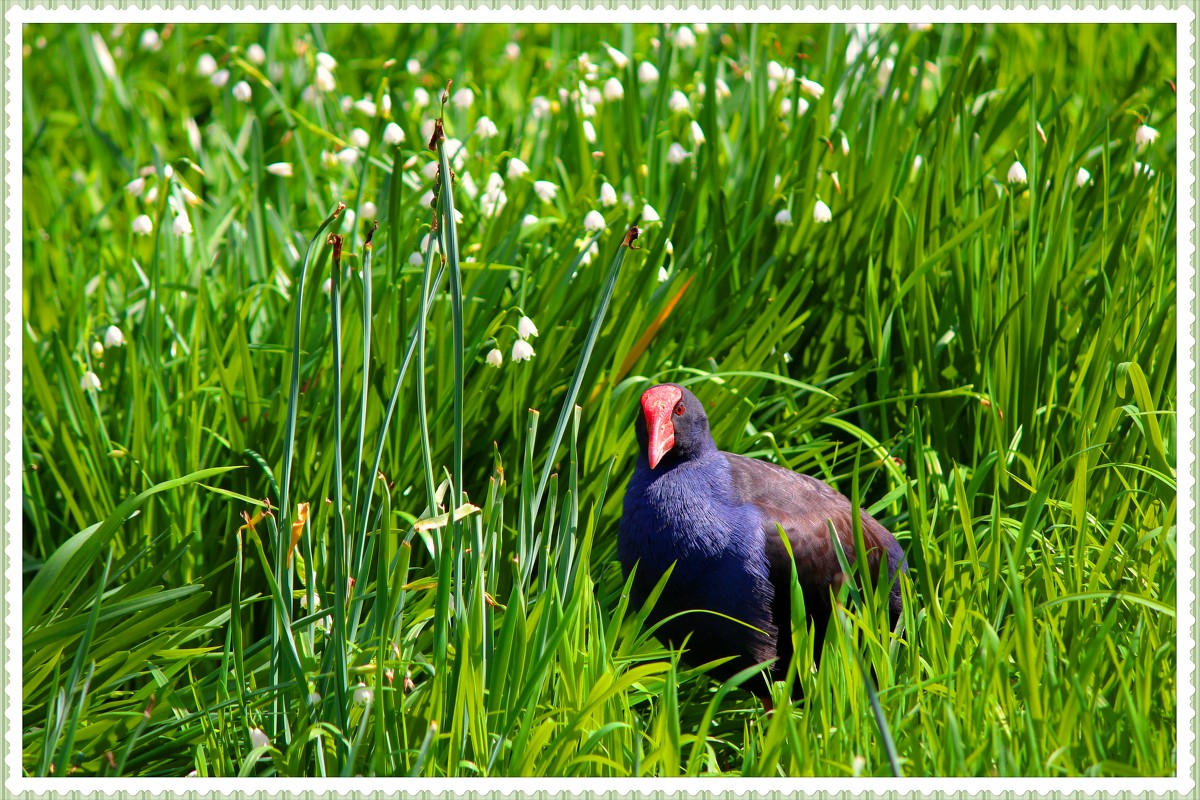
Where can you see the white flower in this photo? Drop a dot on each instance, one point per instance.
(526, 328)
(151, 195)
(347, 157)
(590, 248)
(189, 196)
(512, 51)
(589, 131)
(613, 90)
(463, 98)
(430, 170)
(517, 168)
(259, 739)
(360, 138)
(697, 133)
(242, 92)
(522, 350)
(1144, 135)
(649, 214)
(916, 165)
(256, 55)
(545, 190)
(142, 225)
(416, 259)
(785, 107)
(281, 168)
(90, 381)
(350, 218)
(1139, 168)
(608, 195)
(812, 88)
(326, 287)
(663, 275)
(324, 80)
(845, 145)
(676, 154)
(722, 89)
(393, 134)
(527, 220)
(647, 72)
(593, 221)
(136, 186)
(206, 65)
(774, 71)
(182, 225)
(219, 78)
(784, 217)
(150, 41)
(684, 38)
(369, 210)
(363, 694)
(619, 59)
(327, 61)
(539, 107)
(1016, 173)
(678, 102)
(495, 358)
(97, 350)
(420, 97)
(413, 66)
(494, 183)
(492, 202)
(485, 128)
(367, 106)
(427, 199)
(821, 213)
(386, 103)
(113, 337)
(1082, 177)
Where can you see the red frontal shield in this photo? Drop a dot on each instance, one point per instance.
(657, 404)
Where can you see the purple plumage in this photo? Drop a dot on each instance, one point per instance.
(716, 517)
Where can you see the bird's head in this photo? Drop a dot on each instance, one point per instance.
(672, 425)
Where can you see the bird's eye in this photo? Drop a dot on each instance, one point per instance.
(679, 409)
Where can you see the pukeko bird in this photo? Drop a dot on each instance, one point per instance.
(714, 515)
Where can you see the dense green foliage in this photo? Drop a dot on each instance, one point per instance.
(987, 364)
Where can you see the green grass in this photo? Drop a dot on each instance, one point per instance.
(988, 367)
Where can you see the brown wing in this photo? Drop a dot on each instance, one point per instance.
(804, 506)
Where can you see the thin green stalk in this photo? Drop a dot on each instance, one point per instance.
(339, 568)
(281, 532)
(450, 535)
(391, 410)
(368, 256)
(564, 415)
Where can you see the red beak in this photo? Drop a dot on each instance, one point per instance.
(657, 404)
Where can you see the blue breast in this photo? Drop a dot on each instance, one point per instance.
(685, 515)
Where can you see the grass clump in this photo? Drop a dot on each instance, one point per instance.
(337, 499)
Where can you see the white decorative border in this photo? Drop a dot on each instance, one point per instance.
(1183, 785)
